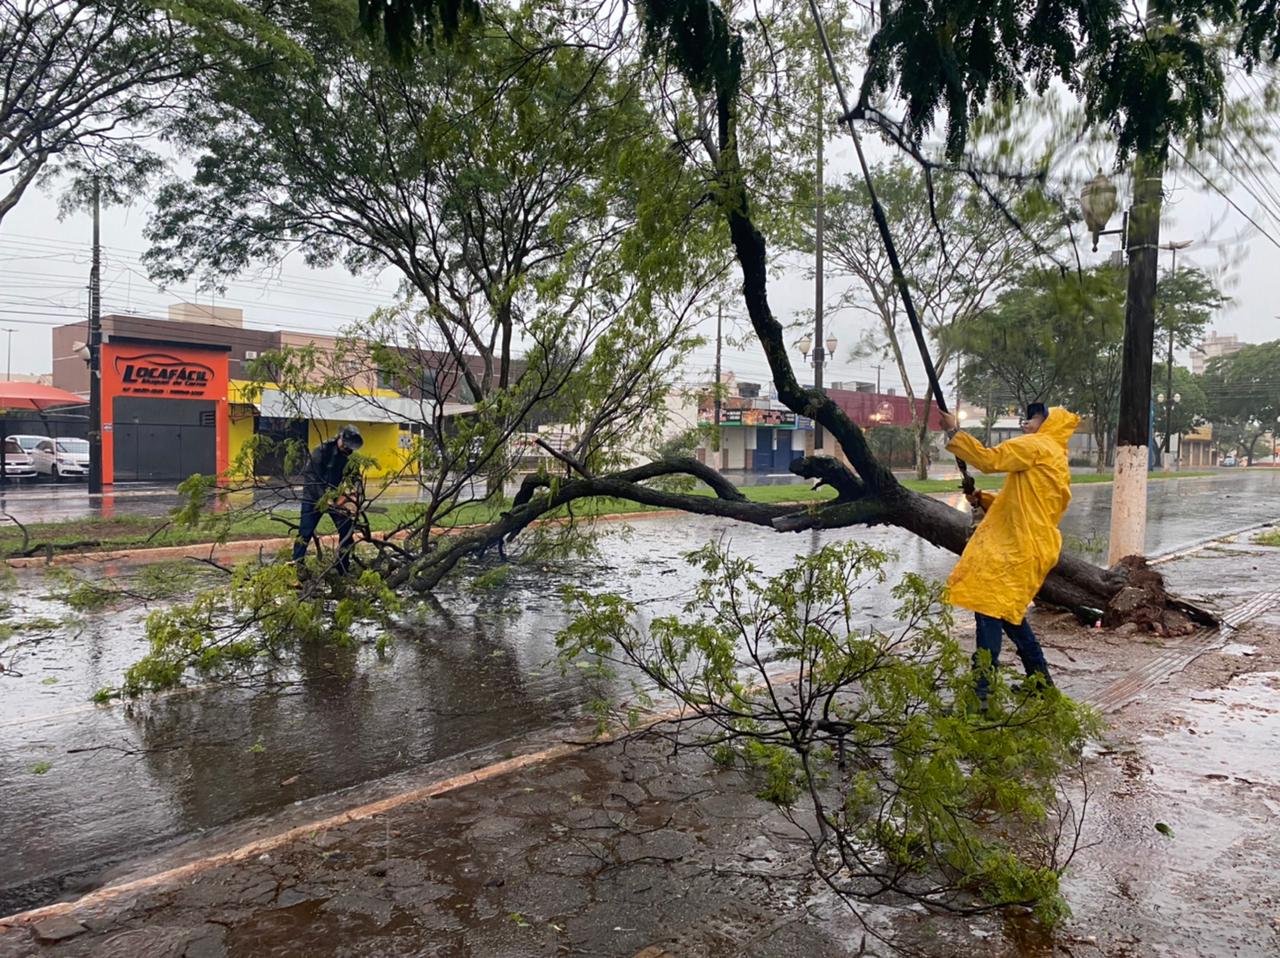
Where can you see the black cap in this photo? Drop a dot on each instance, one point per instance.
(351, 438)
(1037, 409)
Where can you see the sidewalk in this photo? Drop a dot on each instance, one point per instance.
(617, 850)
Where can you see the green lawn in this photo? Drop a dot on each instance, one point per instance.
(1269, 538)
(138, 531)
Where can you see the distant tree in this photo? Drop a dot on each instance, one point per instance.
(1015, 352)
(1192, 408)
(955, 271)
(1056, 338)
(1243, 391)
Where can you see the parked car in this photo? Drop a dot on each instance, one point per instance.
(1229, 461)
(62, 458)
(17, 464)
(28, 443)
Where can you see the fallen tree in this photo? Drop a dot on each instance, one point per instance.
(604, 336)
(867, 495)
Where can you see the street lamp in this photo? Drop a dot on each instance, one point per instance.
(1172, 246)
(1098, 204)
(1169, 402)
(805, 344)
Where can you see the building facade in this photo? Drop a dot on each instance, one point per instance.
(1211, 347)
(177, 399)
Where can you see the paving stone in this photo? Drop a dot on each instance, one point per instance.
(210, 944)
(376, 910)
(422, 893)
(293, 896)
(259, 891)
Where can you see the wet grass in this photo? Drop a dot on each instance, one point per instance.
(125, 532)
(1268, 538)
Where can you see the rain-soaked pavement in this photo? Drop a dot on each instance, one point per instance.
(627, 851)
(123, 781)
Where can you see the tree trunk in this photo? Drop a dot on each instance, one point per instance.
(922, 450)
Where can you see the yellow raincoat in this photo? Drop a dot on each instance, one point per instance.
(1018, 541)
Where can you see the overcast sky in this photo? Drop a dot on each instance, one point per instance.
(44, 268)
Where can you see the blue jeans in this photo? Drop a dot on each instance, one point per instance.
(307, 524)
(990, 637)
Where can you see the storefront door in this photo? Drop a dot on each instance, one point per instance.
(163, 440)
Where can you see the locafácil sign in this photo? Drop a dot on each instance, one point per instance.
(163, 374)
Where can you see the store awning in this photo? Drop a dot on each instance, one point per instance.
(277, 405)
(33, 396)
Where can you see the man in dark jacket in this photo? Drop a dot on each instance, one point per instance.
(322, 477)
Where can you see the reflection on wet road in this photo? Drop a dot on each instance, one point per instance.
(476, 669)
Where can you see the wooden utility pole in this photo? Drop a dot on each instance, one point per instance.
(95, 353)
(716, 446)
(819, 212)
(1133, 436)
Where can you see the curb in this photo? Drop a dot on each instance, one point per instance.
(241, 548)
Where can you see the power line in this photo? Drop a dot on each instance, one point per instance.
(1217, 189)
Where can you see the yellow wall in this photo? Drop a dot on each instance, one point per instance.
(381, 442)
(239, 433)
(381, 439)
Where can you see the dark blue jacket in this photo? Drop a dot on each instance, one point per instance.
(323, 472)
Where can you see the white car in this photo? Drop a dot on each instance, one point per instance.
(28, 443)
(61, 458)
(17, 464)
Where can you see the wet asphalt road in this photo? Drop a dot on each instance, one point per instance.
(125, 780)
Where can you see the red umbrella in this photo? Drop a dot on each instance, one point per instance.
(34, 396)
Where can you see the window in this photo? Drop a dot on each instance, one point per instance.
(47, 446)
(429, 386)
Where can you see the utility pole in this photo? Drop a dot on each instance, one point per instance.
(715, 435)
(879, 366)
(1173, 248)
(1133, 437)
(95, 354)
(8, 365)
(819, 212)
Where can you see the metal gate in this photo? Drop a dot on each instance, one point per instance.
(163, 440)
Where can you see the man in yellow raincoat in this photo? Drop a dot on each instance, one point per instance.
(1017, 542)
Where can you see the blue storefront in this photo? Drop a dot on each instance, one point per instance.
(777, 436)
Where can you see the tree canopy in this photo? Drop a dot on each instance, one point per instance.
(1243, 392)
(957, 250)
(1148, 79)
(86, 81)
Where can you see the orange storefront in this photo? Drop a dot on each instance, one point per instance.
(164, 410)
